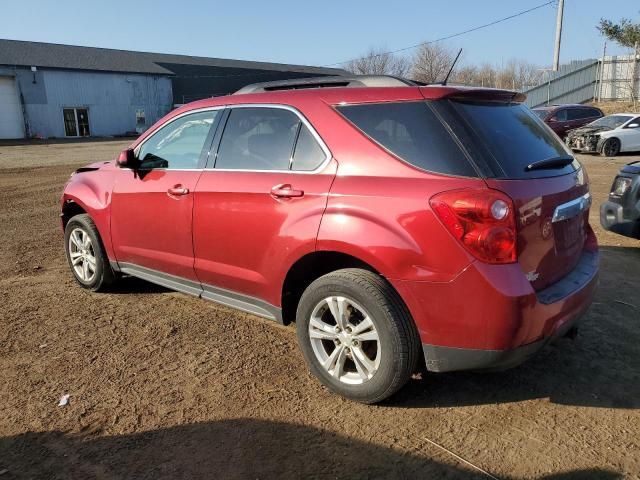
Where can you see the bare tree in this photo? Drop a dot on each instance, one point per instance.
(431, 62)
(378, 62)
(466, 75)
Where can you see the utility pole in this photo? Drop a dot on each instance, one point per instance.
(602, 66)
(556, 52)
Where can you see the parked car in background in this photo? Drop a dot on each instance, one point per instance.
(621, 214)
(562, 118)
(390, 221)
(608, 136)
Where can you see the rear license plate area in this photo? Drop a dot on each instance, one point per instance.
(568, 232)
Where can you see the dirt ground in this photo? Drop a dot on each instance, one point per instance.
(167, 386)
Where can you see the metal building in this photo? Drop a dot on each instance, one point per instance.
(50, 90)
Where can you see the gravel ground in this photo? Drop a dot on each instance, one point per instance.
(163, 385)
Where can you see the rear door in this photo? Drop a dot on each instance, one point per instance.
(551, 203)
(260, 204)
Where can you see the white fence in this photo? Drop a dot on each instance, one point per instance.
(614, 82)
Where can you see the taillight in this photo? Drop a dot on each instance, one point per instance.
(482, 220)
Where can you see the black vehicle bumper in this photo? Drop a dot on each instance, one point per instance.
(612, 218)
(450, 359)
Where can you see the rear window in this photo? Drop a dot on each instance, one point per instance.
(412, 132)
(513, 136)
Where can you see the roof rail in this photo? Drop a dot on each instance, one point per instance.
(329, 82)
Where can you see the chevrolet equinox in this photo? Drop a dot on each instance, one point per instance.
(393, 222)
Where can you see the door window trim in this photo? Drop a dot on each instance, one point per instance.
(206, 147)
(210, 165)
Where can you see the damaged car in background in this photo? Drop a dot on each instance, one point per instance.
(607, 136)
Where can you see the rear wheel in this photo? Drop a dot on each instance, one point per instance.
(357, 335)
(611, 148)
(85, 254)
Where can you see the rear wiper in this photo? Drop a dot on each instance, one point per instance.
(553, 162)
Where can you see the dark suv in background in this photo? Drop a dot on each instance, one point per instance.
(562, 118)
(621, 214)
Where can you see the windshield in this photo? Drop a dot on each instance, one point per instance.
(612, 121)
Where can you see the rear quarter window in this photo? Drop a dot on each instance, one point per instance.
(412, 132)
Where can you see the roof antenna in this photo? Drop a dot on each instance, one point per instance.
(444, 82)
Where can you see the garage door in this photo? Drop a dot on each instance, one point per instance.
(11, 123)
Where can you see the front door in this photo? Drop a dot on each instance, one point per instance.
(152, 206)
(261, 205)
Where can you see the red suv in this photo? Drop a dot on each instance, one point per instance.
(390, 221)
(562, 118)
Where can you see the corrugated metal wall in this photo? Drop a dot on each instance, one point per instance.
(614, 82)
(111, 99)
(582, 81)
(572, 83)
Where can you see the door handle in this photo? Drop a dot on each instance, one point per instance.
(178, 190)
(284, 190)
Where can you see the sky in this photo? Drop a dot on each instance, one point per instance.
(315, 33)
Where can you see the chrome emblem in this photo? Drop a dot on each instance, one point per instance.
(547, 229)
(532, 276)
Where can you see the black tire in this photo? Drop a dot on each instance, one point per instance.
(103, 275)
(398, 337)
(610, 148)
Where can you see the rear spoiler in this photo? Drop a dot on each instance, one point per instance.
(476, 94)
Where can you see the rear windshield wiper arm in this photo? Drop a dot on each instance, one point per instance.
(553, 162)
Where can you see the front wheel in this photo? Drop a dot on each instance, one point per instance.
(357, 335)
(611, 147)
(85, 254)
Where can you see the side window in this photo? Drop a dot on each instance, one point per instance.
(308, 154)
(178, 144)
(412, 132)
(575, 114)
(561, 115)
(258, 138)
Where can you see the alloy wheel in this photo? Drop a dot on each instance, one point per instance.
(82, 255)
(344, 340)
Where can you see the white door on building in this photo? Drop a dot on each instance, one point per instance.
(11, 121)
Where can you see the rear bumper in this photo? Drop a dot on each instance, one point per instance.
(490, 317)
(450, 359)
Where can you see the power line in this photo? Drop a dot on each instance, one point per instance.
(495, 22)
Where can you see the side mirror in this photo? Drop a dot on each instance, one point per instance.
(633, 125)
(127, 158)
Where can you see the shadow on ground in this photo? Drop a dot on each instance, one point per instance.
(230, 449)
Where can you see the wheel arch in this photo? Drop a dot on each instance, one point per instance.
(87, 197)
(308, 268)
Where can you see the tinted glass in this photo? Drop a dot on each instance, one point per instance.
(561, 116)
(541, 113)
(308, 154)
(514, 136)
(594, 113)
(258, 139)
(412, 132)
(577, 113)
(177, 144)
